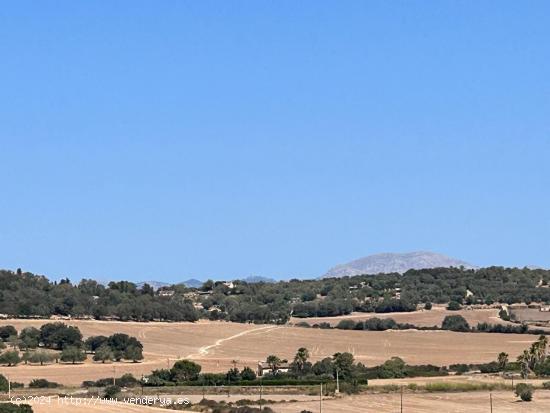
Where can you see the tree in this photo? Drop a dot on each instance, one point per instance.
(344, 364)
(300, 359)
(6, 332)
(133, 353)
(233, 375)
(454, 306)
(502, 361)
(248, 374)
(274, 363)
(3, 384)
(111, 392)
(185, 370)
(428, 306)
(524, 391)
(41, 356)
(59, 335)
(455, 323)
(92, 343)
(103, 354)
(11, 358)
(29, 337)
(73, 354)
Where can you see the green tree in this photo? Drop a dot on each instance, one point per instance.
(343, 362)
(103, 354)
(524, 391)
(248, 374)
(185, 370)
(11, 358)
(3, 384)
(41, 356)
(274, 363)
(502, 361)
(454, 306)
(73, 354)
(133, 353)
(6, 332)
(29, 337)
(301, 360)
(455, 323)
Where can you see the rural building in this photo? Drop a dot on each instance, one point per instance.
(264, 367)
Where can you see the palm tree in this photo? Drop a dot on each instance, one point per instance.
(300, 360)
(274, 363)
(502, 361)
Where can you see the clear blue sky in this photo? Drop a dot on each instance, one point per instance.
(168, 140)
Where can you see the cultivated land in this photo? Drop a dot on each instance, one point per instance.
(422, 318)
(215, 345)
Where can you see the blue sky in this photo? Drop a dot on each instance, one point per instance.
(168, 140)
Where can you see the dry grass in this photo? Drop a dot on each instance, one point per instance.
(216, 344)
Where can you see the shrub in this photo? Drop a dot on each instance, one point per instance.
(546, 385)
(455, 323)
(428, 306)
(6, 332)
(346, 325)
(3, 383)
(454, 306)
(524, 391)
(111, 392)
(304, 324)
(15, 408)
(42, 384)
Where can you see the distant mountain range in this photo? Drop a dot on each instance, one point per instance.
(194, 283)
(393, 262)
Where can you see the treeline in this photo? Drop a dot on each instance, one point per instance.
(55, 342)
(455, 323)
(26, 295)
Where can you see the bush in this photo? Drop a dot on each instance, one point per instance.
(346, 325)
(428, 306)
(455, 323)
(3, 384)
(42, 384)
(524, 391)
(15, 408)
(454, 306)
(111, 392)
(546, 385)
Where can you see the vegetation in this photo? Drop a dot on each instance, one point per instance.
(15, 408)
(455, 323)
(42, 384)
(524, 391)
(24, 295)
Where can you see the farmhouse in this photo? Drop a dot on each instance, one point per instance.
(264, 367)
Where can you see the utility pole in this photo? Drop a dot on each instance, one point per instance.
(261, 388)
(9, 388)
(114, 375)
(491, 401)
(401, 399)
(337, 383)
(321, 399)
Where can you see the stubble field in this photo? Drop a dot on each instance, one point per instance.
(215, 345)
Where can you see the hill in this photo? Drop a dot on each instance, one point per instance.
(395, 263)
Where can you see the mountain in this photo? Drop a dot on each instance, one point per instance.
(258, 279)
(192, 283)
(155, 284)
(392, 262)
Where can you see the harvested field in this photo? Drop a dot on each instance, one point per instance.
(473, 402)
(422, 318)
(216, 344)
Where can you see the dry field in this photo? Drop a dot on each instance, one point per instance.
(216, 344)
(473, 402)
(422, 318)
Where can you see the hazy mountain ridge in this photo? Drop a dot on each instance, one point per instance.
(395, 262)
